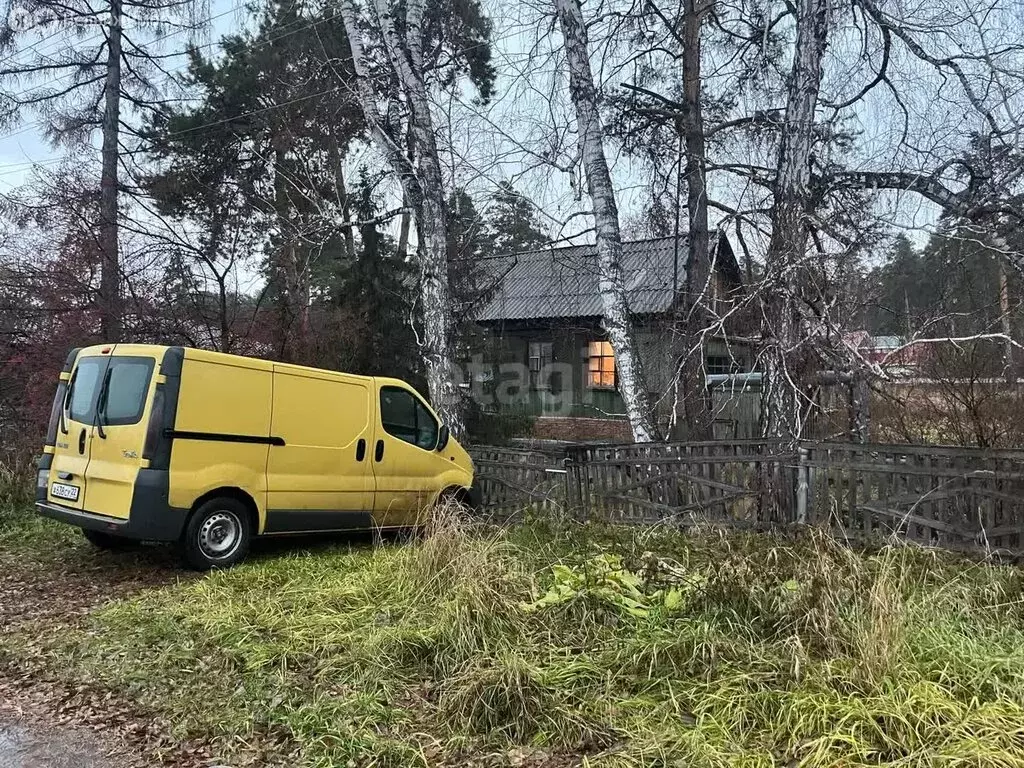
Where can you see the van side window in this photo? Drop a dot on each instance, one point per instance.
(85, 388)
(127, 390)
(406, 418)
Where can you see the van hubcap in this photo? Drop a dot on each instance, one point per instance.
(220, 534)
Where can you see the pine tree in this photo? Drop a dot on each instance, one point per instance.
(107, 64)
(281, 166)
(512, 222)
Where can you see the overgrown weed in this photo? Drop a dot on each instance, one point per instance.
(623, 647)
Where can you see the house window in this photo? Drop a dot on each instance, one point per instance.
(720, 364)
(541, 356)
(600, 365)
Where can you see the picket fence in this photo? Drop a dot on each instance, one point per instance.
(957, 498)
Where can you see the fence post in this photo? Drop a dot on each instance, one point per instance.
(574, 482)
(801, 486)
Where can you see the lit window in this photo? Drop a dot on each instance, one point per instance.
(600, 365)
(541, 356)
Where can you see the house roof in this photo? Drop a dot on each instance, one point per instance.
(886, 342)
(563, 282)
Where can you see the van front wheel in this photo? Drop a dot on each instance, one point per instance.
(217, 535)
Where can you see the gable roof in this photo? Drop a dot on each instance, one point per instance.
(563, 282)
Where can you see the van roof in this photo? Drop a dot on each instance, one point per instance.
(205, 355)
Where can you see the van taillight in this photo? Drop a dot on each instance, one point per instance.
(155, 428)
(55, 409)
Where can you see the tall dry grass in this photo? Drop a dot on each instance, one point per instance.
(620, 647)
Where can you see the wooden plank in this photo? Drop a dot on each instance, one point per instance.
(928, 450)
(907, 519)
(694, 507)
(692, 459)
(935, 471)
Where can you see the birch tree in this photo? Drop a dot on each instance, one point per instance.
(616, 318)
(782, 324)
(405, 31)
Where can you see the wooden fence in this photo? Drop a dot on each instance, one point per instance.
(514, 479)
(682, 482)
(959, 498)
(952, 497)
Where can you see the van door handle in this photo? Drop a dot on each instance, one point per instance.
(81, 442)
(360, 449)
(378, 452)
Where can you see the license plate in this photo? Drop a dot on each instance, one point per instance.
(62, 491)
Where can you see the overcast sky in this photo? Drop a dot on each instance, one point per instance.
(530, 116)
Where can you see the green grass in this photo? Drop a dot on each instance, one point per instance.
(601, 646)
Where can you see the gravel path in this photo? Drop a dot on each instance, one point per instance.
(27, 744)
(46, 722)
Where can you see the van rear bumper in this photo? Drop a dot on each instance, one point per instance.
(151, 518)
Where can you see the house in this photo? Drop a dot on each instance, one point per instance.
(542, 351)
(894, 354)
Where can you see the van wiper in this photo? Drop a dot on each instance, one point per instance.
(64, 404)
(101, 405)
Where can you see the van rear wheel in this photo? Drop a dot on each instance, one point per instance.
(217, 534)
(105, 540)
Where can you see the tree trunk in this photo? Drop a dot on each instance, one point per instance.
(111, 314)
(860, 407)
(341, 189)
(781, 329)
(423, 187)
(1004, 318)
(618, 322)
(284, 258)
(222, 311)
(403, 230)
(697, 319)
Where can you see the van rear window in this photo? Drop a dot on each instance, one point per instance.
(127, 386)
(85, 388)
(127, 390)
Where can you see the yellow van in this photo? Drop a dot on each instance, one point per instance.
(208, 449)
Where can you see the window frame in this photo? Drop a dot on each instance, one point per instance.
(605, 353)
(417, 401)
(89, 415)
(545, 356)
(732, 365)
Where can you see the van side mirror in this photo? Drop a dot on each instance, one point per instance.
(443, 436)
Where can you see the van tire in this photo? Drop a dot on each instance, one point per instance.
(103, 540)
(217, 534)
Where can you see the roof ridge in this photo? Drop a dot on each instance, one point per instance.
(553, 248)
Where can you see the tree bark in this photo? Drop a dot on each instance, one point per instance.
(343, 199)
(422, 184)
(111, 313)
(617, 321)
(781, 328)
(698, 263)
(1004, 319)
(860, 407)
(285, 261)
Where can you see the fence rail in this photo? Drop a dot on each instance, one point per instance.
(952, 497)
(512, 480)
(959, 498)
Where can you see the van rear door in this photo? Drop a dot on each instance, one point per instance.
(119, 432)
(72, 448)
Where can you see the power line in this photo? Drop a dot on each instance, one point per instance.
(261, 110)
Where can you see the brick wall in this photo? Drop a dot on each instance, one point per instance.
(567, 428)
